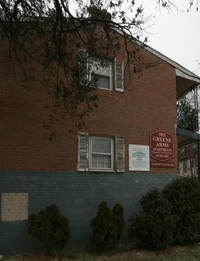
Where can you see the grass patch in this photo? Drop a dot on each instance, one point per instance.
(123, 253)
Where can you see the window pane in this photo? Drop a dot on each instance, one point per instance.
(101, 145)
(102, 81)
(101, 161)
(94, 161)
(107, 162)
(101, 154)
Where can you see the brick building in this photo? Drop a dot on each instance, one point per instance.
(114, 159)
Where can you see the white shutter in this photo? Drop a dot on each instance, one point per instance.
(120, 154)
(83, 66)
(82, 151)
(119, 77)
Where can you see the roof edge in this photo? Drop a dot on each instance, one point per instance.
(179, 69)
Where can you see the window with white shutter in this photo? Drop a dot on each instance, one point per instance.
(101, 153)
(82, 151)
(96, 153)
(101, 71)
(119, 77)
(120, 154)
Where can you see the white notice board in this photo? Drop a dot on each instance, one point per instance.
(139, 157)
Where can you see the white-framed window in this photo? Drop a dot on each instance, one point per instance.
(101, 72)
(101, 153)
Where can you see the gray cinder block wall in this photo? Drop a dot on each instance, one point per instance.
(77, 195)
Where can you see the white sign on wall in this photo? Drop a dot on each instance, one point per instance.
(139, 157)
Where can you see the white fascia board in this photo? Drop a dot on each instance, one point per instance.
(188, 76)
(179, 69)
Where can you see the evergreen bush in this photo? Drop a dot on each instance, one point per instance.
(184, 195)
(118, 220)
(50, 228)
(107, 226)
(169, 217)
(153, 227)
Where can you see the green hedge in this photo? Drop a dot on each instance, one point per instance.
(168, 217)
(153, 226)
(50, 228)
(184, 197)
(107, 226)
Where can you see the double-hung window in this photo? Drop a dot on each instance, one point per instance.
(101, 73)
(101, 153)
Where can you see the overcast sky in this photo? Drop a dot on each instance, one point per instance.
(176, 33)
(173, 32)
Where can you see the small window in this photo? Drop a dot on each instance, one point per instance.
(101, 153)
(102, 81)
(96, 153)
(101, 72)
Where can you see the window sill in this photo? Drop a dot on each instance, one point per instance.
(101, 170)
(101, 88)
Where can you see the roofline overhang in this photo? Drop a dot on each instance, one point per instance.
(179, 69)
(185, 137)
(187, 75)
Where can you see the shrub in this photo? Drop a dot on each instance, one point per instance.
(50, 228)
(107, 226)
(118, 219)
(153, 227)
(170, 217)
(184, 195)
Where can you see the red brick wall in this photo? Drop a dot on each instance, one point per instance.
(147, 104)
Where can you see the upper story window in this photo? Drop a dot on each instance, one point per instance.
(101, 72)
(104, 73)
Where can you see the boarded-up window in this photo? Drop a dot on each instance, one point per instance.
(14, 206)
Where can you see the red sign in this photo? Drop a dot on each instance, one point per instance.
(161, 145)
(155, 164)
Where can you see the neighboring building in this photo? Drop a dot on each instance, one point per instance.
(188, 152)
(188, 160)
(129, 147)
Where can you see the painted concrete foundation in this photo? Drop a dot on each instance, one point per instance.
(77, 195)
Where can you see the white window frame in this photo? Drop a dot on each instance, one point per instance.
(111, 154)
(96, 68)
